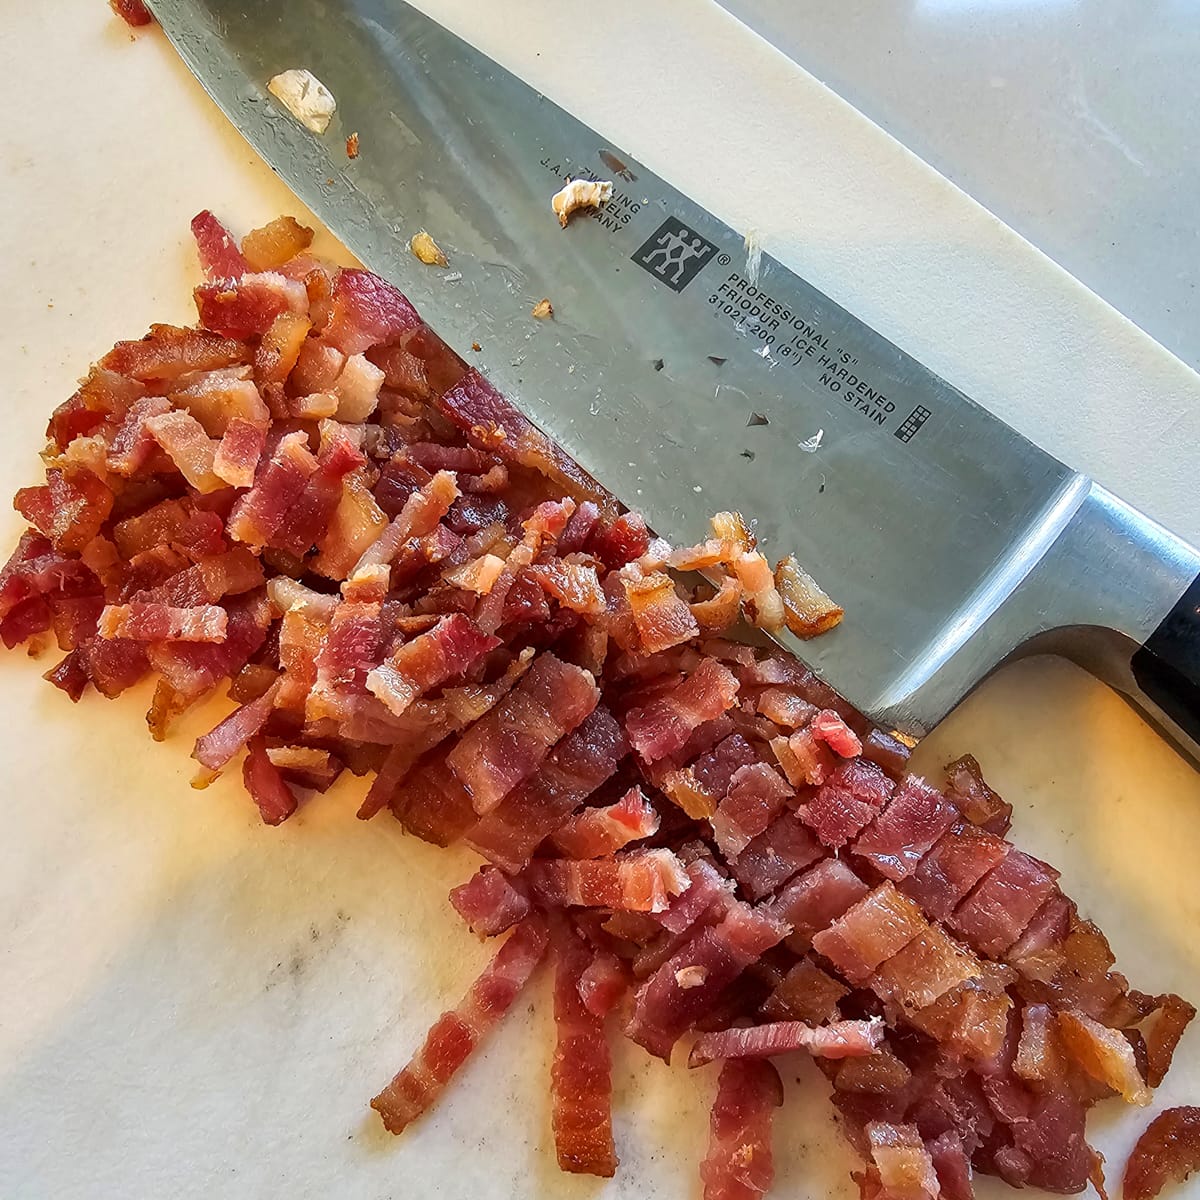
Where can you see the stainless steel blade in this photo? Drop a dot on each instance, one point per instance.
(681, 379)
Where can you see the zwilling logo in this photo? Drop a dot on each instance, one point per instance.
(674, 253)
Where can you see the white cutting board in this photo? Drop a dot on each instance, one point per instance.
(192, 1005)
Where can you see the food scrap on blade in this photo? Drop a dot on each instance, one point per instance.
(426, 250)
(305, 97)
(311, 501)
(543, 309)
(577, 194)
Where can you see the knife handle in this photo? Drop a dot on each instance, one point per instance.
(1167, 668)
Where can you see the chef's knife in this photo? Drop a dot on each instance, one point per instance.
(688, 379)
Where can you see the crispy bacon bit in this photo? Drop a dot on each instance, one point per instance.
(276, 801)
(902, 1168)
(775, 856)
(812, 901)
(142, 622)
(1105, 1054)
(1171, 1016)
(132, 12)
(879, 926)
(543, 309)
(352, 146)
(829, 727)
(426, 250)
(219, 255)
(602, 983)
(739, 1165)
(70, 509)
(663, 726)
(855, 793)
(579, 193)
(761, 602)
(1002, 905)
(803, 759)
(807, 610)
(1168, 1152)
(365, 311)
(805, 993)
(842, 1039)
(636, 881)
(490, 902)
(662, 618)
(915, 818)
(456, 1033)
(755, 797)
(247, 306)
(976, 801)
(596, 832)
(957, 862)
(581, 1076)
(274, 244)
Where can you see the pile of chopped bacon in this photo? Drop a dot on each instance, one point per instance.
(310, 498)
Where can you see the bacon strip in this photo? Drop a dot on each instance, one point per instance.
(457, 1033)
(1167, 1152)
(581, 1076)
(739, 1164)
(842, 1039)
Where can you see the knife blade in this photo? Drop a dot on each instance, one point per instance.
(690, 375)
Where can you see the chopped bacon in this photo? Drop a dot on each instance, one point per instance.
(756, 795)
(739, 1165)
(931, 965)
(805, 993)
(957, 862)
(663, 726)
(879, 926)
(581, 1076)
(167, 352)
(775, 856)
(662, 618)
(236, 459)
(247, 306)
(1167, 1152)
(762, 603)
(1171, 1016)
(887, 751)
(914, 819)
(596, 832)
(191, 449)
(141, 622)
(420, 515)
(1105, 1054)
(842, 1039)
(366, 311)
(279, 485)
(635, 881)
(803, 759)
(1000, 907)
(70, 509)
(811, 901)
(602, 983)
(807, 610)
(490, 902)
(274, 244)
(853, 795)
(276, 801)
(902, 1167)
(456, 1033)
(450, 649)
(829, 727)
(308, 516)
(976, 801)
(509, 744)
(219, 255)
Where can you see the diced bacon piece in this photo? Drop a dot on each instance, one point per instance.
(215, 398)
(977, 802)
(366, 312)
(191, 450)
(280, 483)
(306, 766)
(662, 727)
(450, 649)
(756, 796)
(142, 622)
(879, 926)
(1105, 1054)
(317, 367)
(829, 727)
(574, 769)
(686, 794)
(493, 424)
(952, 1166)
(662, 618)
(785, 708)
(275, 800)
(1038, 953)
(739, 1165)
(133, 12)
(806, 993)
(915, 818)
(457, 1033)
(479, 575)
(213, 750)
(887, 751)
(635, 881)
(420, 515)
(356, 524)
(1167, 1022)
(602, 983)
(851, 798)
(596, 832)
(349, 652)
(804, 760)
(133, 445)
(807, 610)
(219, 255)
(708, 892)
(814, 900)
(664, 1010)
(357, 389)
(209, 580)
(618, 542)
(1040, 1051)
(508, 745)
(490, 902)
(248, 306)
(762, 604)
(167, 352)
(275, 243)
(721, 610)
(69, 509)
(948, 872)
(581, 1075)
(714, 769)
(236, 459)
(842, 1039)
(775, 856)
(102, 398)
(277, 354)
(902, 1166)
(308, 517)
(931, 965)
(999, 908)
(574, 585)
(970, 1021)
(1167, 1152)
(706, 554)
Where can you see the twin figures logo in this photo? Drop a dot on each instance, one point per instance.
(674, 254)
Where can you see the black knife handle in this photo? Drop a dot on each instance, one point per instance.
(1167, 667)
